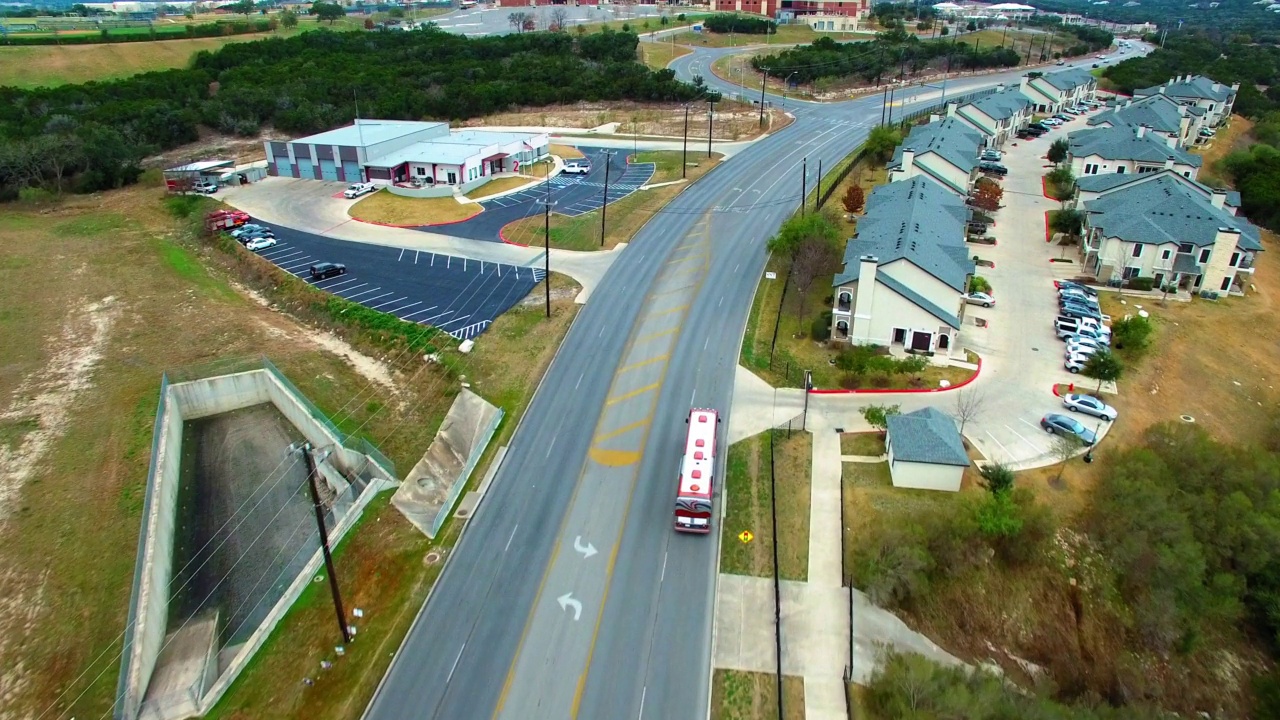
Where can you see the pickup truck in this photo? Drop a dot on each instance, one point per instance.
(356, 190)
(1088, 327)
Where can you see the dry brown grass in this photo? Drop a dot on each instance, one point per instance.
(566, 152)
(749, 490)
(1228, 140)
(659, 55)
(387, 209)
(739, 695)
(864, 443)
(51, 65)
(733, 121)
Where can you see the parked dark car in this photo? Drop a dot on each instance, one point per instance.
(993, 168)
(323, 270)
(1086, 289)
(977, 228)
(1054, 423)
(254, 235)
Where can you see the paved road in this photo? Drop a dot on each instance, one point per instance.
(571, 596)
(572, 194)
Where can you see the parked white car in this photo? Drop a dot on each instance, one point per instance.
(357, 189)
(262, 243)
(1077, 349)
(980, 298)
(1050, 121)
(1075, 363)
(205, 187)
(1089, 405)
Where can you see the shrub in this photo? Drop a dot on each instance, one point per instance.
(979, 283)
(1132, 333)
(1141, 283)
(877, 416)
(851, 381)
(820, 330)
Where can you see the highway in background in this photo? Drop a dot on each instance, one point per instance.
(570, 595)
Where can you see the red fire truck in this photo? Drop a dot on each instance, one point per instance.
(693, 498)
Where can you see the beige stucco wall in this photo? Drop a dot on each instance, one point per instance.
(924, 476)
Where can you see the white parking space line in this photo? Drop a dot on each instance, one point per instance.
(302, 262)
(419, 312)
(335, 285)
(363, 292)
(285, 256)
(1024, 439)
(401, 255)
(389, 302)
(457, 319)
(278, 251)
(433, 317)
(395, 310)
(1002, 447)
(368, 300)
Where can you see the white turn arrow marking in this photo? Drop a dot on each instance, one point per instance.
(567, 601)
(587, 551)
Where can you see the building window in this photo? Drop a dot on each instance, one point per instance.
(1186, 174)
(1166, 254)
(1204, 256)
(1235, 259)
(1226, 283)
(1120, 170)
(1091, 169)
(1137, 250)
(421, 171)
(1132, 272)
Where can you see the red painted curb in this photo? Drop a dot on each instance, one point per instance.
(879, 391)
(1047, 237)
(375, 222)
(1044, 190)
(502, 235)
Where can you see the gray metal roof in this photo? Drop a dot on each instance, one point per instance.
(1156, 112)
(1001, 105)
(916, 219)
(1165, 209)
(442, 153)
(926, 436)
(1069, 79)
(1192, 87)
(1124, 143)
(1107, 181)
(372, 132)
(952, 139)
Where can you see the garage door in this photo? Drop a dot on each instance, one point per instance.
(920, 341)
(306, 170)
(284, 168)
(328, 171)
(351, 171)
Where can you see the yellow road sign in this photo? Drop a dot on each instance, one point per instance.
(746, 536)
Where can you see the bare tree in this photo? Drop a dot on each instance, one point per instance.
(1065, 446)
(815, 258)
(969, 405)
(559, 18)
(517, 20)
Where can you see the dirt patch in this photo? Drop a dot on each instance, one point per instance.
(44, 400)
(1235, 136)
(733, 121)
(213, 145)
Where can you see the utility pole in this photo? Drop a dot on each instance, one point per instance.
(884, 103)
(684, 153)
(305, 449)
(808, 385)
(546, 244)
(604, 201)
(889, 120)
(817, 199)
(711, 113)
(804, 177)
(764, 78)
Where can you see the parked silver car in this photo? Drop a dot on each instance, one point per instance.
(1089, 405)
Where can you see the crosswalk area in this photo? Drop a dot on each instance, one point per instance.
(576, 194)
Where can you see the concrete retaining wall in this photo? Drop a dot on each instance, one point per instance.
(149, 613)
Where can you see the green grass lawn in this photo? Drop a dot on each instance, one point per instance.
(740, 695)
(749, 492)
(786, 35)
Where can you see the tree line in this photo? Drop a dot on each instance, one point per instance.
(728, 22)
(1254, 171)
(92, 137)
(894, 53)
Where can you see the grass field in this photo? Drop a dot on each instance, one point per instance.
(748, 487)
(493, 187)
(738, 695)
(1228, 140)
(658, 55)
(50, 65)
(624, 218)
(865, 443)
(385, 208)
(99, 327)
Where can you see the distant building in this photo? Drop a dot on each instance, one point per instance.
(998, 116)
(1128, 149)
(1216, 99)
(1050, 92)
(822, 15)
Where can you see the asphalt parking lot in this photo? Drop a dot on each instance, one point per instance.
(573, 195)
(459, 296)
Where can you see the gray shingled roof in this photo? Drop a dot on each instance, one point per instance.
(1193, 87)
(926, 436)
(1156, 112)
(1107, 181)
(1165, 209)
(1123, 143)
(916, 219)
(950, 138)
(1000, 105)
(1069, 79)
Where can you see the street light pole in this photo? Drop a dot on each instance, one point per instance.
(305, 449)
(684, 152)
(817, 199)
(804, 178)
(546, 246)
(604, 202)
(764, 78)
(711, 113)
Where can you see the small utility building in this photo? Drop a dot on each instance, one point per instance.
(406, 153)
(925, 451)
